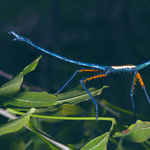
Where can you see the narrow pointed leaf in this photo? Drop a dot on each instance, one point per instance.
(138, 132)
(30, 99)
(12, 87)
(16, 124)
(99, 143)
(31, 66)
(74, 97)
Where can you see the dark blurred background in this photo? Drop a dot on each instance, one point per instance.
(95, 31)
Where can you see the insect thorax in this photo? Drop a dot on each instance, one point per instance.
(125, 68)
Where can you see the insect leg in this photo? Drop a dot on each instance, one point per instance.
(84, 80)
(81, 81)
(67, 82)
(79, 70)
(146, 94)
(142, 85)
(132, 92)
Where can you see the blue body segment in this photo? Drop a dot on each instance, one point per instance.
(100, 69)
(139, 67)
(21, 38)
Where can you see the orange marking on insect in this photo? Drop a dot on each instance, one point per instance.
(89, 70)
(135, 82)
(94, 77)
(138, 76)
(140, 80)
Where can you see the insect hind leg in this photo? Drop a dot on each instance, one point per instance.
(137, 76)
(146, 94)
(142, 85)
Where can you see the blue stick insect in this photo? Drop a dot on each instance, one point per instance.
(102, 71)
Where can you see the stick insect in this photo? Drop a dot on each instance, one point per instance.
(102, 71)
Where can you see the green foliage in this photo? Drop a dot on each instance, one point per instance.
(50, 108)
(12, 87)
(30, 99)
(138, 132)
(17, 123)
(98, 143)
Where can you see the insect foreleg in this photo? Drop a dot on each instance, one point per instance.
(67, 81)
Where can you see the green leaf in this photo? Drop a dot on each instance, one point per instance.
(138, 132)
(16, 124)
(30, 99)
(12, 87)
(31, 66)
(74, 97)
(99, 143)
